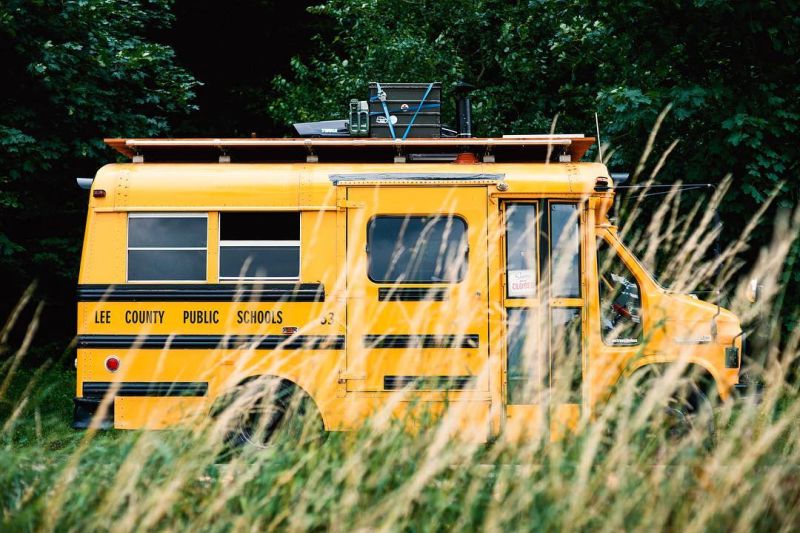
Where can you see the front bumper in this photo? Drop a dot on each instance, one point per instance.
(749, 390)
(85, 411)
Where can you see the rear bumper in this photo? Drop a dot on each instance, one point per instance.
(84, 413)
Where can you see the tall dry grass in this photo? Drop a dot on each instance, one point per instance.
(616, 471)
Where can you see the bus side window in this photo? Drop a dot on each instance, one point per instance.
(167, 246)
(259, 246)
(620, 299)
(417, 249)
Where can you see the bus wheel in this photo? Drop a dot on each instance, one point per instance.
(685, 411)
(269, 411)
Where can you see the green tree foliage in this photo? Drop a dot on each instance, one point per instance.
(74, 72)
(728, 71)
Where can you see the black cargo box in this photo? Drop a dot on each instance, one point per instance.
(402, 101)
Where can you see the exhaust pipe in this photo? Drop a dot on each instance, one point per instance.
(463, 109)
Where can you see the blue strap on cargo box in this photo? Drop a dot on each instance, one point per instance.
(385, 110)
(421, 103)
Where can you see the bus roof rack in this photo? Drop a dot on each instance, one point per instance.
(555, 148)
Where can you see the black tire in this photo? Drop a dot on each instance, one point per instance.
(267, 412)
(685, 411)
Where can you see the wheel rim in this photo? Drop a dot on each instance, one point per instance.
(681, 414)
(284, 418)
(254, 433)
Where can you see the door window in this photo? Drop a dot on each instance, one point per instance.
(565, 345)
(620, 299)
(526, 357)
(565, 251)
(521, 263)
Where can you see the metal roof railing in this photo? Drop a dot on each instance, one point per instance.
(555, 148)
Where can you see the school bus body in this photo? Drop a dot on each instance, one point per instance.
(351, 343)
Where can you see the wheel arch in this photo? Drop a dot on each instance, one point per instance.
(708, 379)
(284, 381)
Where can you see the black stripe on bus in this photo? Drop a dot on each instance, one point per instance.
(427, 382)
(412, 294)
(98, 389)
(421, 341)
(207, 292)
(227, 342)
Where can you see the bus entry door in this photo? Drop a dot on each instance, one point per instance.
(417, 290)
(543, 301)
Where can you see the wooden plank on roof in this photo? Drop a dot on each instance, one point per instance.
(120, 146)
(575, 146)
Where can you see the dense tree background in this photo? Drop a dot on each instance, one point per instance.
(78, 71)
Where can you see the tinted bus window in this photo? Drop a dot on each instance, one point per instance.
(521, 265)
(565, 338)
(417, 249)
(167, 247)
(259, 246)
(565, 251)
(526, 357)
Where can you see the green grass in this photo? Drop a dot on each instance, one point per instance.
(617, 472)
(54, 477)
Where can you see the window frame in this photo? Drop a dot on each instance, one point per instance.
(163, 214)
(260, 244)
(579, 207)
(536, 250)
(419, 215)
(608, 241)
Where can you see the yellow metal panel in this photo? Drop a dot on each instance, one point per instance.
(318, 247)
(155, 413)
(104, 258)
(496, 314)
(564, 420)
(212, 257)
(199, 187)
(463, 313)
(524, 423)
(212, 187)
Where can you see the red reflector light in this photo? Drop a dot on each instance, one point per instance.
(112, 364)
(289, 330)
(99, 193)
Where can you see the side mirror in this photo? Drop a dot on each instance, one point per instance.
(753, 292)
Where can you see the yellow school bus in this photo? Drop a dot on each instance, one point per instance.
(372, 276)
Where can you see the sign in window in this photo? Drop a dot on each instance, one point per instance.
(521, 264)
